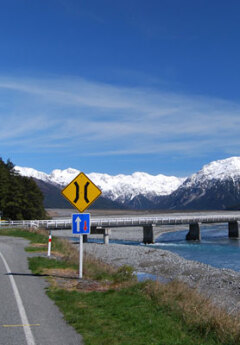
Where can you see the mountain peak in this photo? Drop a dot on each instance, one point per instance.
(217, 170)
(119, 187)
(220, 169)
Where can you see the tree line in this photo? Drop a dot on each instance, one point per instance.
(20, 197)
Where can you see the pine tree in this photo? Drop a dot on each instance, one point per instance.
(20, 197)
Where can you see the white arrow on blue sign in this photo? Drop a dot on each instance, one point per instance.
(81, 223)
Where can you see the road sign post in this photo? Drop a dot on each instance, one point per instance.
(80, 256)
(81, 192)
(81, 226)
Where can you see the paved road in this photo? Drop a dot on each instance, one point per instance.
(23, 302)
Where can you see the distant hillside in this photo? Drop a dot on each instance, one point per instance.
(215, 186)
(52, 195)
(54, 199)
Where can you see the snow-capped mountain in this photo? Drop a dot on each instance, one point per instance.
(125, 187)
(217, 170)
(119, 188)
(215, 186)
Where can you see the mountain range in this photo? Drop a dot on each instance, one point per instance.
(216, 186)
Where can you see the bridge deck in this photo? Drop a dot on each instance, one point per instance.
(111, 222)
(104, 224)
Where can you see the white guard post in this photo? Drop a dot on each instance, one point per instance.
(49, 243)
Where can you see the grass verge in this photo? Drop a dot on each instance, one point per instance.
(109, 307)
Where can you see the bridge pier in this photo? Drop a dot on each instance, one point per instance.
(233, 229)
(148, 234)
(85, 238)
(102, 231)
(106, 234)
(194, 233)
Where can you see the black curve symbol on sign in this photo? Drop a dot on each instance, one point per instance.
(85, 192)
(77, 192)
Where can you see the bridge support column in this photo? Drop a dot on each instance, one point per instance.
(148, 234)
(106, 234)
(233, 229)
(85, 238)
(102, 231)
(194, 233)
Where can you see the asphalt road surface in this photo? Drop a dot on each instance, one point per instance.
(27, 315)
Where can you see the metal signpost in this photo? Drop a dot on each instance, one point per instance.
(81, 192)
(81, 226)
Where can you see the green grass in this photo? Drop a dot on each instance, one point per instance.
(38, 264)
(123, 274)
(33, 237)
(122, 317)
(137, 314)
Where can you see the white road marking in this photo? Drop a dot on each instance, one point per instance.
(27, 330)
(6, 326)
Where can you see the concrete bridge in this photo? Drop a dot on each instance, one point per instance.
(103, 225)
(149, 223)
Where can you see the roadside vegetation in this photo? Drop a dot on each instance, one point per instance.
(109, 306)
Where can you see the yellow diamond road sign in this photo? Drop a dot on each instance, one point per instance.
(81, 192)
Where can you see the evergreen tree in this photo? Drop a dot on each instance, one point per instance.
(20, 197)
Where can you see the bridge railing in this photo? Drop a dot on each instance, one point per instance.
(122, 221)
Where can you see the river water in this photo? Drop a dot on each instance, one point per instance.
(215, 248)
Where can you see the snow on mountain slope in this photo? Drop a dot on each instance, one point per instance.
(217, 170)
(63, 177)
(215, 186)
(119, 187)
(29, 172)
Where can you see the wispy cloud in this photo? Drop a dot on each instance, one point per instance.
(100, 119)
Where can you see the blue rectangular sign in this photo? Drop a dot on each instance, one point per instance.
(81, 223)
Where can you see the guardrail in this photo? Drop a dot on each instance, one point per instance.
(110, 222)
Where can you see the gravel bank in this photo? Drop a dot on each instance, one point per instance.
(221, 285)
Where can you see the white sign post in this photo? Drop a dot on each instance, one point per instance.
(80, 256)
(81, 226)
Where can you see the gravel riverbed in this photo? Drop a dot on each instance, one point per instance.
(221, 285)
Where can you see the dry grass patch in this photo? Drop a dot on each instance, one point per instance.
(68, 279)
(195, 310)
(67, 250)
(39, 245)
(62, 278)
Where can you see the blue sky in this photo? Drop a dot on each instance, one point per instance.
(119, 86)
